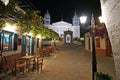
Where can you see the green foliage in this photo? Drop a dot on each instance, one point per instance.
(2, 23)
(28, 21)
(48, 33)
(31, 21)
(76, 39)
(103, 76)
(10, 8)
(7, 11)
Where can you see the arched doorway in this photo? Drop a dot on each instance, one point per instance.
(68, 36)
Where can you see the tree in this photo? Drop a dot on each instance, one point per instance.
(7, 12)
(28, 21)
(31, 21)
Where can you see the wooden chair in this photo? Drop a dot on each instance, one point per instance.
(3, 63)
(42, 52)
(47, 52)
(19, 65)
(50, 49)
(32, 63)
(39, 63)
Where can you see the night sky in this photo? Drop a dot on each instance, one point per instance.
(64, 9)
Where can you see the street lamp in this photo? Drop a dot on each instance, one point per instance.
(83, 20)
(101, 19)
(94, 62)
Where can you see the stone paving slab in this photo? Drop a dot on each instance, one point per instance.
(71, 62)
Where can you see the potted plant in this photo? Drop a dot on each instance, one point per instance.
(102, 76)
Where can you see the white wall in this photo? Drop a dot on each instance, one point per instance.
(15, 29)
(111, 15)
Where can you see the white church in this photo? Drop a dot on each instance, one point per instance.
(62, 26)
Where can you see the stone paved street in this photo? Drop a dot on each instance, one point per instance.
(71, 62)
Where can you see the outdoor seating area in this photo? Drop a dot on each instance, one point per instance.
(59, 40)
(14, 64)
(19, 65)
(8, 63)
(22, 64)
(47, 49)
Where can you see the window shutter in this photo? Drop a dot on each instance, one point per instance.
(23, 45)
(2, 38)
(32, 45)
(10, 42)
(15, 42)
(28, 45)
(0, 42)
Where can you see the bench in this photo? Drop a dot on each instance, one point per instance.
(8, 62)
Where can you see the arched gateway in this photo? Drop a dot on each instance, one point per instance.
(68, 36)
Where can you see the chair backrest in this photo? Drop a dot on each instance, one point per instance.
(19, 62)
(47, 49)
(39, 59)
(42, 52)
(3, 61)
(11, 58)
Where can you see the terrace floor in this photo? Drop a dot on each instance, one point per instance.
(71, 62)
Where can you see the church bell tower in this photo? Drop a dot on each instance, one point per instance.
(47, 19)
(75, 19)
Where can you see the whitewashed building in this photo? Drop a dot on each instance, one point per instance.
(62, 26)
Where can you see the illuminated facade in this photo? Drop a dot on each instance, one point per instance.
(12, 41)
(102, 42)
(62, 26)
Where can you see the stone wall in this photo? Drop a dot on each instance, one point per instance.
(111, 15)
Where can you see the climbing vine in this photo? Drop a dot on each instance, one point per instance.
(28, 21)
(7, 12)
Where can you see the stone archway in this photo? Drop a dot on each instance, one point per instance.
(68, 36)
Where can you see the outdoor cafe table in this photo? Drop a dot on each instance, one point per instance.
(28, 58)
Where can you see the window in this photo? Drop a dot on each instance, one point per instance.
(6, 37)
(6, 41)
(47, 22)
(61, 35)
(28, 44)
(98, 42)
